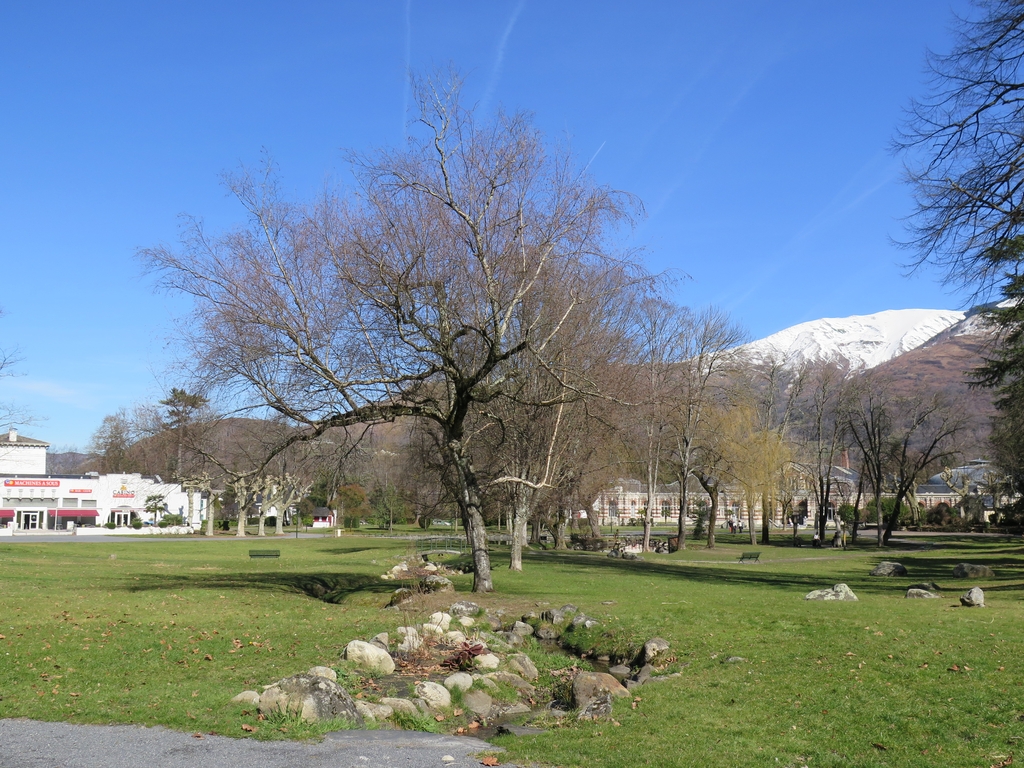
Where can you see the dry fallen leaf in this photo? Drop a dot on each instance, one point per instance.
(490, 761)
(882, 747)
(249, 728)
(198, 735)
(954, 668)
(439, 718)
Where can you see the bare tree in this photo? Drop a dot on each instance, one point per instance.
(821, 426)
(707, 343)
(467, 249)
(965, 144)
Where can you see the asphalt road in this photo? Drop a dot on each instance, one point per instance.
(32, 744)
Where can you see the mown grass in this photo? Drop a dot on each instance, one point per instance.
(93, 639)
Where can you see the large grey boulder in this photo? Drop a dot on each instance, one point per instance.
(889, 568)
(373, 712)
(652, 649)
(588, 685)
(247, 697)
(972, 571)
(436, 696)
(321, 671)
(597, 708)
(400, 596)
(510, 678)
(400, 705)
(478, 702)
(523, 666)
(464, 608)
(436, 583)
(462, 681)
(311, 697)
(973, 598)
(411, 640)
(919, 593)
(838, 592)
(522, 628)
(928, 586)
(486, 661)
(369, 658)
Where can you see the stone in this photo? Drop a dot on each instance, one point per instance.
(401, 705)
(373, 712)
(889, 568)
(508, 729)
(652, 649)
(327, 672)
(486, 661)
(461, 681)
(431, 630)
(919, 593)
(631, 556)
(569, 608)
(734, 660)
(510, 639)
(447, 759)
(547, 633)
(578, 619)
(478, 702)
(591, 623)
(838, 592)
(620, 672)
(553, 616)
(369, 657)
(971, 571)
(252, 698)
(436, 583)
(523, 666)
(507, 710)
(440, 619)
(430, 567)
(381, 640)
(436, 696)
(510, 678)
(467, 621)
(973, 598)
(522, 628)
(454, 637)
(310, 697)
(411, 640)
(927, 586)
(643, 674)
(464, 609)
(401, 595)
(598, 707)
(485, 682)
(587, 686)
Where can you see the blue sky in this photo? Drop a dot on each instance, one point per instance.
(755, 133)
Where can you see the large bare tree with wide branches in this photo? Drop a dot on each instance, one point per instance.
(473, 246)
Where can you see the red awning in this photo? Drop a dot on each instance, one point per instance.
(77, 513)
(6, 513)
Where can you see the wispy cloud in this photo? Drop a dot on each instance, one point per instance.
(53, 391)
(499, 56)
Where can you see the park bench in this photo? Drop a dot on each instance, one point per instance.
(750, 557)
(255, 554)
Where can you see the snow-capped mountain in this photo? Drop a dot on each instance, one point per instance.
(863, 341)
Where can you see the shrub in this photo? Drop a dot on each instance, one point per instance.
(163, 524)
(111, 526)
(137, 525)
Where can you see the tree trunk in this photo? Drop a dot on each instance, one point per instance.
(683, 501)
(520, 516)
(595, 524)
(261, 529)
(712, 490)
(750, 522)
(878, 516)
(766, 510)
(241, 522)
(211, 508)
(279, 521)
(469, 503)
(894, 517)
(561, 523)
(191, 506)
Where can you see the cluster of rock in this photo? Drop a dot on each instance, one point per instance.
(494, 669)
(973, 598)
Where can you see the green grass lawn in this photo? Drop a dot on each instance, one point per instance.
(167, 631)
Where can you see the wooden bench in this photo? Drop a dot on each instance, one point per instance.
(750, 557)
(255, 554)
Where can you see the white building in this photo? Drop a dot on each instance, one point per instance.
(33, 500)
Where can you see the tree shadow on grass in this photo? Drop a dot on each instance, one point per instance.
(328, 587)
(919, 568)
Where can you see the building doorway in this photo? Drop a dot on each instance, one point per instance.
(122, 517)
(30, 521)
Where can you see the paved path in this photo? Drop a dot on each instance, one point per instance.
(33, 744)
